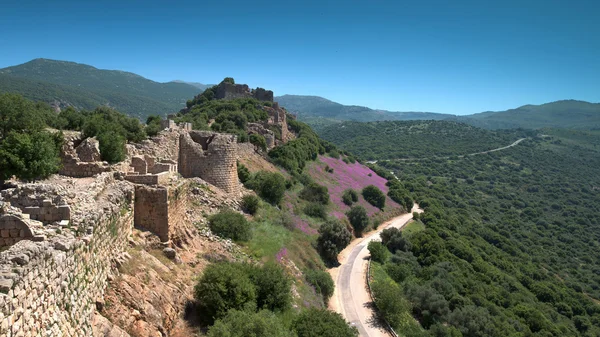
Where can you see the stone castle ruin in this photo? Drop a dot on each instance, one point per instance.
(59, 240)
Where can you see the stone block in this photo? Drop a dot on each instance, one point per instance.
(65, 212)
(5, 233)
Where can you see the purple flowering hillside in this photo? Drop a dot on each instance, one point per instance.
(344, 176)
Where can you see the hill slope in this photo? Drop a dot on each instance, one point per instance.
(84, 86)
(198, 85)
(314, 106)
(562, 114)
(413, 139)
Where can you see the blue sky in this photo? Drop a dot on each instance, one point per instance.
(442, 56)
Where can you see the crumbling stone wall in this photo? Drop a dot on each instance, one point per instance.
(210, 156)
(232, 91)
(13, 229)
(159, 209)
(262, 94)
(77, 157)
(43, 202)
(50, 288)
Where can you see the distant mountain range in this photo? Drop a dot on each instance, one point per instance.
(560, 114)
(63, 83)
(200, 86)
(314, 106)
(321, 112)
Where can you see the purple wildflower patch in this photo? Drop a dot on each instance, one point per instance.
(345, 176)
(281, 254)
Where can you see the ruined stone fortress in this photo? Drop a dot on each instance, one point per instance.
(59, 239)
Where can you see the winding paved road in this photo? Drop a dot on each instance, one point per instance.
(351, 297)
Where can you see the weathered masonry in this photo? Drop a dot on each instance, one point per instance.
(52, 277)
(210, 156)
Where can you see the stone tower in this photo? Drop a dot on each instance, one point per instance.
(210, 156)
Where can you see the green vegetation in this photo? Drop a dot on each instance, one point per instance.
(314, 192)
(223, 287)
(349, 197)
(86, 87)
(230, 224)
(259, 141)
(294, 154)
(414, 139)
(316, 210)
(240, 286)
(399, 194)
(248, 323)
(27, 151)
(250, 203)
(507, 243)
(322, 323)
(243, 173)
(378, 251)
(322, 282)
(333, 238)
(374, 196)
(357, 215)
(242, 299)
(269, 185)
(230, 116)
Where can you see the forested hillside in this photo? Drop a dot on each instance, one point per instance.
(559, 114)
(509, 242)
(414, 139)
(86, 87)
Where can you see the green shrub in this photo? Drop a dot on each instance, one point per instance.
(259, 141)
(153, 125)
(390, 302)
(357, 215)
(230, 224)
(273, 287)
(392, 238)
(333, 238)
(379, 252)
(294, 154)
(269, 185)
(399, 195)
(250, 203)
(322, 282)
(315, 322)
(349, 197)
(112, 147)
(314, 192)
(243, 173)
(222, 287)
(334, 154)
(29, 156)
(245, 323)
(374, 196)
(315, 210)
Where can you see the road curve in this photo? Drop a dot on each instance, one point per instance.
(351, 298)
